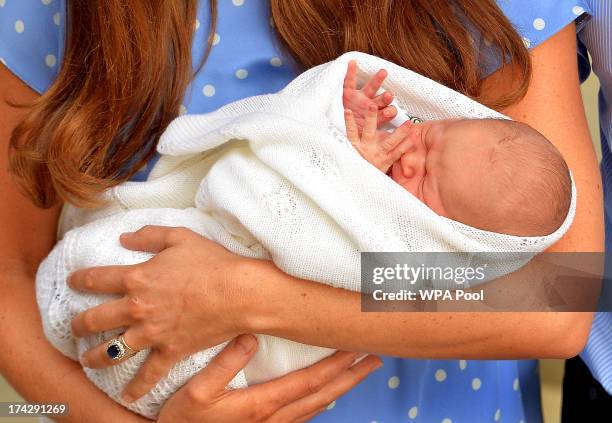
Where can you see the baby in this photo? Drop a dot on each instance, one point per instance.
(493, 174)
(496, 175)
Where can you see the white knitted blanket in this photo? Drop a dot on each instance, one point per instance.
(269, 177)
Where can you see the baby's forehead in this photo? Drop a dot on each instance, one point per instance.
(492, 127)
(484, 135)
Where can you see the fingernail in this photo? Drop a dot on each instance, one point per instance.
(84, 362)
(127, 397)
(377, 364)
(245, 343)
(127, 234)
(355, 355)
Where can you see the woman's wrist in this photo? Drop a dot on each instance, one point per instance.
(262, 298)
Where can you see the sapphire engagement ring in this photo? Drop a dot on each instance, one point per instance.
(118, 349)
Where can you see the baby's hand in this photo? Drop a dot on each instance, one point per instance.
(359, 101)
(380, 148)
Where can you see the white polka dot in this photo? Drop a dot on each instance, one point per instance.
(50, 60)
(440, 375)
(182, 109)
(393, 382)
(447, 420)
(56, 19)
(373, 421)
(515, 384)
(413, 412)
(476, 383)
(2, 60)
(2, 3)
(331, 405)
(527, 42)
(238, 2)
(197, 24)
(577, 10)
(46, 2)
(216, 39)
(539, 24)
(242, 73)
(497, 415)
(275, 61)
(19, 26)
(208, 90)
(462, 364)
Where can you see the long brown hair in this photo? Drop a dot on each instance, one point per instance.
(128, 63)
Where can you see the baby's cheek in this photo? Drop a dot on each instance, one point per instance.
(436, 196)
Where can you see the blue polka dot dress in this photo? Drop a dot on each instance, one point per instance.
(245, 61)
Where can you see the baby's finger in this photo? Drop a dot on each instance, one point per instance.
(395, 138)
(383, 100)
(352, 132)
(350, 80)
(386, 115)
(152, 371)
(370, 125)
(401, 149)
(374, 83)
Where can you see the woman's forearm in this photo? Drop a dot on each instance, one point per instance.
(317, 314)
(312, 313)
(34, 368)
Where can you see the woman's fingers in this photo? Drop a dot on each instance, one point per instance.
(318, 400)
(350, 79)
(223, 368)
(294, 386)
(309, 417)
(111, 315)
(154, 239)
(100, 280)
(97, 358)
(156, 367)
(374, 83)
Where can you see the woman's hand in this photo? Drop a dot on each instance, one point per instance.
(296, 397)
(169, 303)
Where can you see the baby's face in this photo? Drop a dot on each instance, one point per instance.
(445, 165)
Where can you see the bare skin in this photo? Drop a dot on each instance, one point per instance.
(324, 313)
(28, 236)
(265, 300)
